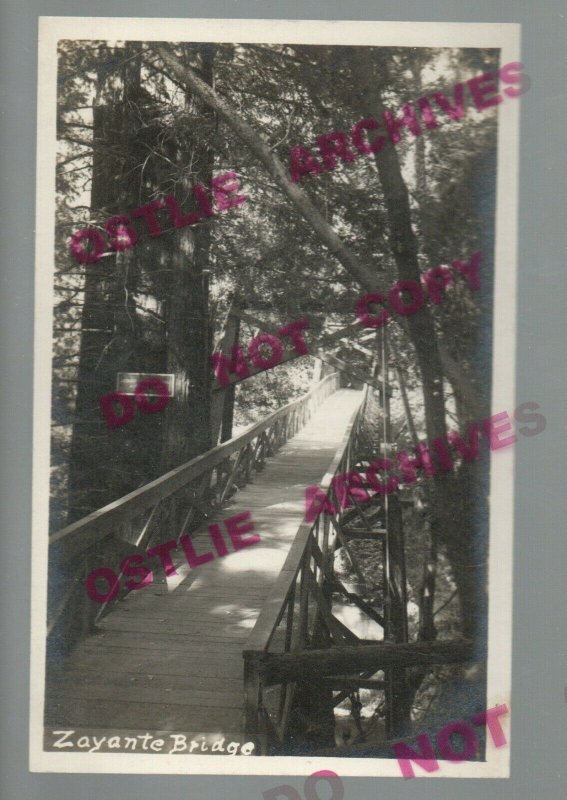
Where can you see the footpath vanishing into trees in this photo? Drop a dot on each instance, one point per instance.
(354, 240)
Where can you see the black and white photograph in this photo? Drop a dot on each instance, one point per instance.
(274, 407)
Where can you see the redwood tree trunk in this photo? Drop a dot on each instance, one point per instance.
(187, 423)
(100, 457)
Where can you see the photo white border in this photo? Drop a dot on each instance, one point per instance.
(505, 36)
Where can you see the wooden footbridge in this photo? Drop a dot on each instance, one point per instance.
(247, 645)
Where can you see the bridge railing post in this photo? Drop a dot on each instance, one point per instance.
(186, 495)
(253, 727)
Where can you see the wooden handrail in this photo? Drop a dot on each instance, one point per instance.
(299, 602)
(260, 637)
(82, 534)
(298, 640)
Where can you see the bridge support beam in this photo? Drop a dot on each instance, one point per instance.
(312, 665)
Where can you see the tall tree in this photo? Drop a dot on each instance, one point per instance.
(143, 309)
(108, 327)
(185, 263)
(369, 72)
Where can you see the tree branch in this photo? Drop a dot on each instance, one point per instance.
(275, 168)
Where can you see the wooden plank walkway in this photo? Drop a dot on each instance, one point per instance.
(169, 657)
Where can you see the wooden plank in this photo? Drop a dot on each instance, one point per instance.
(179, 638)
(159, 623)
(228, 651)
(201, 682)
(151, 693)
(153, 716)
(159, 640)
(224, 649)
(154, 663)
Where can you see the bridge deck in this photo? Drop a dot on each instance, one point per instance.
(169, 657)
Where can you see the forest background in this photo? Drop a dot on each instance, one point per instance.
(135, 123)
